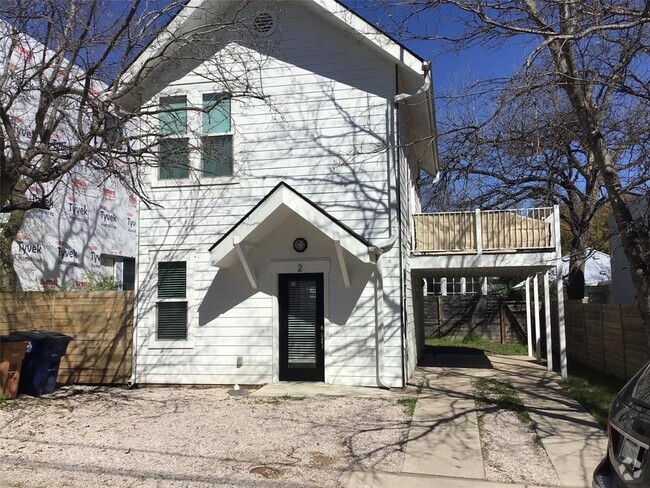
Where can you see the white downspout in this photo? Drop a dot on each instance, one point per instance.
(426, 68)
(379, 308)
(426, 87)
(400, 97)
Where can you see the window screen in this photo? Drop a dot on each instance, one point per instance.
(217, 151)
(172, 320)
(216, 115)
(173, 115)
(174, 159)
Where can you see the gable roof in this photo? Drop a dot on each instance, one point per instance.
(283, 196)
(341, 15)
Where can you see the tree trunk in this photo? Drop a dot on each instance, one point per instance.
(635, 235)
(9, 280)
(577, 263)
(634, 232)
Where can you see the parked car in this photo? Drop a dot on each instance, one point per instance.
(628, 428)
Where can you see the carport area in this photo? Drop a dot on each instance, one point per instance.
(444, 445)
(520, 243)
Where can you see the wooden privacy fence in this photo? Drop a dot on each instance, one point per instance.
(100, 324)
(487, 316)
(606, 337)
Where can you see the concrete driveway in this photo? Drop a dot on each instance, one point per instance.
(444, 445)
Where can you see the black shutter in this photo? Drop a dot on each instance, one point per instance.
(172, 316)
(172, 320)
(172, 279)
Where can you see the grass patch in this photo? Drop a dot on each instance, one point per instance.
(594, 390)
(4, 400)
(408, 404)
(279, 400)
(475, 342)
(500, 395)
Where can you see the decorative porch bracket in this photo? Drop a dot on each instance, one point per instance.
(248, 269)
(341, 259)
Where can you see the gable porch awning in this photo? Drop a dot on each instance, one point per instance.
(273, 210)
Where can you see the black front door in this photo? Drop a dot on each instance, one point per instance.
(301, 327)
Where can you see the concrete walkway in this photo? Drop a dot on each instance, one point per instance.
(573, 440)
(444, 439)
(444, 447)
(378, 479)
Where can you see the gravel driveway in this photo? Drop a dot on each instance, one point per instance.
(190, 437)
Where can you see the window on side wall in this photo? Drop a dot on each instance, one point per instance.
(217, 151)
(174, 146)
(171, 323)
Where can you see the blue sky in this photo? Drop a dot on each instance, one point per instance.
(451, 68)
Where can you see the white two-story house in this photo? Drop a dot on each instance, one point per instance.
(290, 140)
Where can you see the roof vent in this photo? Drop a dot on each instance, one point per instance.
(264, 23)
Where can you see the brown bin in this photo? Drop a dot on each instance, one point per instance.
(12, 352)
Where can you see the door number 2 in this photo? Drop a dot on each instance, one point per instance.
(300, 268)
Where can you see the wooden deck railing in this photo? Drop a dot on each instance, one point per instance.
(484, 230)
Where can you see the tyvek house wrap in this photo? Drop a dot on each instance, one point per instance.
(90, 215)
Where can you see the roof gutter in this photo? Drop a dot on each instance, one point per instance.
(427, 89)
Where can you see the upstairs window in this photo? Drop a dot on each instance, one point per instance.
(174, 148)
(172, 301)
(173, 116)
(216, 153)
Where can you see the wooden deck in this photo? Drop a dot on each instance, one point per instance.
(502, 231)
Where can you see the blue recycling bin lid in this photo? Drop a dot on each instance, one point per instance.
(44, 341)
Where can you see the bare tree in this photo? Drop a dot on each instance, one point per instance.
(527, 151)
(593, 58)
(71, 92)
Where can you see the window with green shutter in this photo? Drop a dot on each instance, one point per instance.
(172, 301)
(217, 150)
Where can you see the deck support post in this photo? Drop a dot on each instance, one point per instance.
(560, 293)
(547, 322)
(529, 331)
(484, 285)
(538, 339)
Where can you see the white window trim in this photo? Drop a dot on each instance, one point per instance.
(166, 255)
(194, 135)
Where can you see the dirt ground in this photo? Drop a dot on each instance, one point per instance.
(194, 437)
(512, 453)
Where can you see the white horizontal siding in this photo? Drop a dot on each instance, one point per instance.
(324, 131)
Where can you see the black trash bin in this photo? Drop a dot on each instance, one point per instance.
(41, 364)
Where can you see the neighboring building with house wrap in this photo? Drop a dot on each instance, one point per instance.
(90, 227)
(90, 230)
